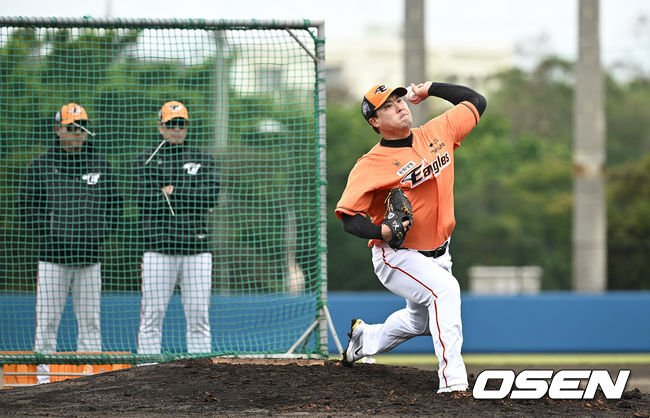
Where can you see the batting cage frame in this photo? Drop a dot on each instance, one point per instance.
(254, 94)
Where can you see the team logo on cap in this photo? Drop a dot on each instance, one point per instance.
(75, 110)
(381, 89)
(175, 108)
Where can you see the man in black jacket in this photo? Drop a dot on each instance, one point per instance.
(69, 197)
(175, 186)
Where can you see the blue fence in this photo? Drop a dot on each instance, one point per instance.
(557, 322)
(257, 323)
(547, 322)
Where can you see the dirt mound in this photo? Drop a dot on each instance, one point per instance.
(203, 387)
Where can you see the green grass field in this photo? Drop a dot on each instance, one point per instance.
(518, 358)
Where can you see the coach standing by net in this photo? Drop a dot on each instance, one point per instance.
(413, 263)
(175, 186)
(69, 196)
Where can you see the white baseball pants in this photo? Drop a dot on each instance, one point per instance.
(53, 284)
(432, 308)
(160, 272)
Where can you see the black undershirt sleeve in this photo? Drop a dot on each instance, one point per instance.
(360, 226)
(455, 94)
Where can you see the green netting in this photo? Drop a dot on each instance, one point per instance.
(246, 275)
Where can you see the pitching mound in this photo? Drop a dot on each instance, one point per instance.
(247, 387)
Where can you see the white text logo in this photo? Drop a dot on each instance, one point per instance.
(192, 168)
(406, 168)
(91, 178)
(565, 384)
(424, 171)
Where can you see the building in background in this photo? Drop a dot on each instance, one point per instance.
(355, 64)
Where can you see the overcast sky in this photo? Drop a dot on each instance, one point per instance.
(524, 26)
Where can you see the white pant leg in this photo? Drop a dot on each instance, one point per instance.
(86, 295)
(196, 285)
(426, 285)
(399, 327)
(159, 274)
(52, 288)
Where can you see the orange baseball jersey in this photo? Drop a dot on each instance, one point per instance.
(424, 171)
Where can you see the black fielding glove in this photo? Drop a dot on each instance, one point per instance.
(398, 210)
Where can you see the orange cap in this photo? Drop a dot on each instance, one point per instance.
(172, 110)
(70, 113)
(376, 97)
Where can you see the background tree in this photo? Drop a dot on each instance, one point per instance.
(122, 90)
(513, 189)
(629, 225)
(513, 175)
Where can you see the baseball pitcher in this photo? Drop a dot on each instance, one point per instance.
(400, 196)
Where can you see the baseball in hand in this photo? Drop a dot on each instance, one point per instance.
(410, 95)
